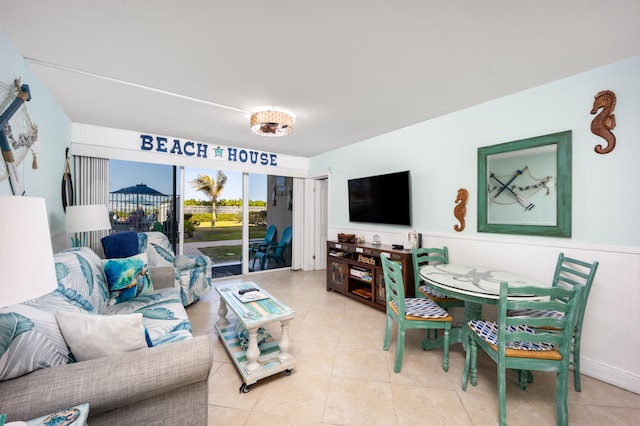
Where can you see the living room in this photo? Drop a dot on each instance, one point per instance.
(442, 156)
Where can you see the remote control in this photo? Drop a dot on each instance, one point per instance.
(247, 290)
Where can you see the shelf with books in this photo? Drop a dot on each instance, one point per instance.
(356, 271)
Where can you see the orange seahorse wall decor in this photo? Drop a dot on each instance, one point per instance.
(460, 210)
(603, 123)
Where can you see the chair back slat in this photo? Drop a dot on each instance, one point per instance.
(427, 256)
(573, 272)
(394, 285)
(271, 233)
(557, 331)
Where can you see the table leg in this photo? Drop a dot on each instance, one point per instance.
(285, 342)
(458, 334)
(471, 311)
(222, 313)
(253, 352)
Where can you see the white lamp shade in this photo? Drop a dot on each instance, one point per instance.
(26, 256)
(91, 217)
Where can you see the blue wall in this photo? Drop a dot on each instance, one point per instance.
(54, 135)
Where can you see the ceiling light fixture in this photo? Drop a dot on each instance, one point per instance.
(271, 123)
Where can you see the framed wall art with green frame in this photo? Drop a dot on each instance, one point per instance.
(524, 186)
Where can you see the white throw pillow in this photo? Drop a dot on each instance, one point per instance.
(92, 336)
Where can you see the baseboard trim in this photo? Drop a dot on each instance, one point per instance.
(612, 375)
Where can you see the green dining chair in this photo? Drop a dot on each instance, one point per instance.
(431, 256)
(570, 273)
(410, 313)
(527, 343)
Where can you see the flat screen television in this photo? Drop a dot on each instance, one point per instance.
(384, 199)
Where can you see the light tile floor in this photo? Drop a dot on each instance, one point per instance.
(343, 377)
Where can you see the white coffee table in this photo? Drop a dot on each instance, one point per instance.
(255, 362)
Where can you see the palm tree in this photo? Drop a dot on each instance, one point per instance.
(213, 189)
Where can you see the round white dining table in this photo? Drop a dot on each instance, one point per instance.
(475, 285)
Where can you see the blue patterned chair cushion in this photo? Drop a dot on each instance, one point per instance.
(127, 278)
(488, 331)
(421, 308)
(535, 313)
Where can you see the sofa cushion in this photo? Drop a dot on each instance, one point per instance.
(81, 278)
(162, 312)
(127, 278)
(29, 335)
(91, 336)
(122, 244)
(158, 248)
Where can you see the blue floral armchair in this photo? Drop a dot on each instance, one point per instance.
(192, 273)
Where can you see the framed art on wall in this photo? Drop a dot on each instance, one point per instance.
(524, 186)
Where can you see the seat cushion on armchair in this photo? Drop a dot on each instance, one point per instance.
(122, 244)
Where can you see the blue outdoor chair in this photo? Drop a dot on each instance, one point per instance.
(274, 251)
(269, 238)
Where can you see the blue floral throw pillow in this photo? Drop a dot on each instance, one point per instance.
(127, 278)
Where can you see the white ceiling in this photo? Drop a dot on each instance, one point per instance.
(348, 69)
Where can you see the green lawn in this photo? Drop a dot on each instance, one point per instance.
(224, 232)
(222, 254)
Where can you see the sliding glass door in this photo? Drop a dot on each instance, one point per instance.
(145, 197)
(272, 248)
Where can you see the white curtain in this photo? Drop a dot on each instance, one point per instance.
(298, 224)
(91, 184)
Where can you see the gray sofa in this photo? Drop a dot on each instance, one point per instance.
(163, 384)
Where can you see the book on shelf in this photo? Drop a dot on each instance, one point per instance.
(362, 274)
(359, 272)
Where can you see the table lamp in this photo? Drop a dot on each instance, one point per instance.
(86, 218)
(26, 256)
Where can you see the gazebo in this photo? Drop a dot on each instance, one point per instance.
(138, 208)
